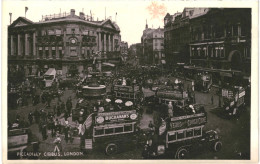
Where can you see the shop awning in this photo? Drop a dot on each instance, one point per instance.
(109, 64)
(51, 71)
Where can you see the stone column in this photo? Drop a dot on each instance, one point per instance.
(18, 45)
(26, 44)
(99, 42)
(34, 45)
(109, 43)
(12, 45)
(105, 42)
(50, 52)
(113, 43)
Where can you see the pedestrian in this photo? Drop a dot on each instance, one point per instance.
(52, 126)
(66, 132)
(69, 105)
(30, 117)
(58, 146)
(151, 126)
(62, 106)
(212, 99)
(170, 109)
(70, 135)
(44, 131)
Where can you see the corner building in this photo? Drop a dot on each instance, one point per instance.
(62, 41)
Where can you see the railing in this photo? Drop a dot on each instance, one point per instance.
(49, 17)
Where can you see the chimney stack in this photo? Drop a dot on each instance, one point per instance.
(81, 15)
(72, 12)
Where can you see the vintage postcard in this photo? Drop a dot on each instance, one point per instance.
(119, 80)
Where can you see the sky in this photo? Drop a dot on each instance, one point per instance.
(131, 15)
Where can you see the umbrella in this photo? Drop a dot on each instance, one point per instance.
(118, 101)
(129, 103)
(108, 100)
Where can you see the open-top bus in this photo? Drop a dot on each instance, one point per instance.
(179, 135)
(113, 131)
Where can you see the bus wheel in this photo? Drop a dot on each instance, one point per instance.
(181, 153)
(111, 149)
(217, 146)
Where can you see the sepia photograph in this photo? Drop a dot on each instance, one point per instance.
(120, 80)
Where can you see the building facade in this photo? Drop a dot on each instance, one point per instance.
(221, 41)
(124, 47)
(216, 40)
(153, 46)
(135, 51)
(66, 42)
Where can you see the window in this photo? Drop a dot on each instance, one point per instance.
(192, 52)
(197, 132)
(119, 130)
(189, 133)
(53, 53)
(247, 52)
(73, 31)
(128, 128)
(47, 52)
(99, 132)
(222, 52)
(40, 53)
(109, 131)
(171, 136)
(180, 135)
(198, 49)
(205, 52)
(216, 50)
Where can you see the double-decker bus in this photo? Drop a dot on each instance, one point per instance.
(175, 94)
(233, 100)
(179, 135)
(113, 131)
(125, 92)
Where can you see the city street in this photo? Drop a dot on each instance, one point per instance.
(234, 132)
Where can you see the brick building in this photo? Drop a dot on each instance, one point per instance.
(153, 46)
(62, 41)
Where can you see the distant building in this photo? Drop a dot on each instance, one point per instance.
(124, 47)
(63, 41)
(153, 46)
(135, 51)
(177, 37)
